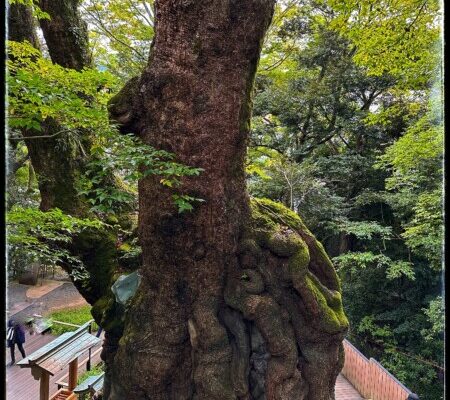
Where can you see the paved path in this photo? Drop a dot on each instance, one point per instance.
(24, 301)
(21, 306)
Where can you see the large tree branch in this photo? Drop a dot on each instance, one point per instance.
(66, 34)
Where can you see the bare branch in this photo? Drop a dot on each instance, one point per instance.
(97, 19)
(40, 136)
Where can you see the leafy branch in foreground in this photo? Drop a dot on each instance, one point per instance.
(77, 101)
(46, 236)
(39, 89)
(131, 160)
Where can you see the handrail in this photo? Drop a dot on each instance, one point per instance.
(61, 382)
(371, 379)
(66, 323)
(346, 342)
(390, 375)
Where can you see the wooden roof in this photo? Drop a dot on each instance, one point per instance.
(92, 384)
(57, 354)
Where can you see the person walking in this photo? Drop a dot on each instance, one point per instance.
(15, 335)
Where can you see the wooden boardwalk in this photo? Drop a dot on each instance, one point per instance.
(345, 391)
(20, 384)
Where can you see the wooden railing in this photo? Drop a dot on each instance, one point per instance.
(371, 379)
(63, 381)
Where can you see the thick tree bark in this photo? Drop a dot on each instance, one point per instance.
(21, 24)
(238, 300)
(66, 34)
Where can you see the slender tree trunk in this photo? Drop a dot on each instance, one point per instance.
(238, 300)
(60, 161)
(21, 24)
(57, 161)
(53, 160)
(66, 34)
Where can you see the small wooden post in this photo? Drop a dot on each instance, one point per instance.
(44, 390)
(73, 374)
(88, 364)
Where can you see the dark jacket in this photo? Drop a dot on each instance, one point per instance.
(19, 333)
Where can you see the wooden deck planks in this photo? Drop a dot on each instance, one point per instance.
(22, 386)
(20, 383)
(345, 391)
(73, 350)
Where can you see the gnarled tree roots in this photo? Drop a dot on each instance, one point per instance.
(277, 335)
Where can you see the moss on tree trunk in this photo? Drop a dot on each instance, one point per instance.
(238, 299)
(66, 34)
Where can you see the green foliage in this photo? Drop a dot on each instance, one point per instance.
(395, 37)
(378, 334)
(408, 368)
(39, 89)
(353, 261)
(298, 186)
(415, 162)
(416, 155)
(260, 159)
(185, 202)
(95, 370)
(278, 58)
(365, 229)
(74, 315)
(424, 233)
(344, 133)
(121, 34)
(45, 236)
(403, 364)
(132, 160)
(37, 12)
(435, 315)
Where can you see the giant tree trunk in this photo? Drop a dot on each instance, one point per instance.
(238, 300)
